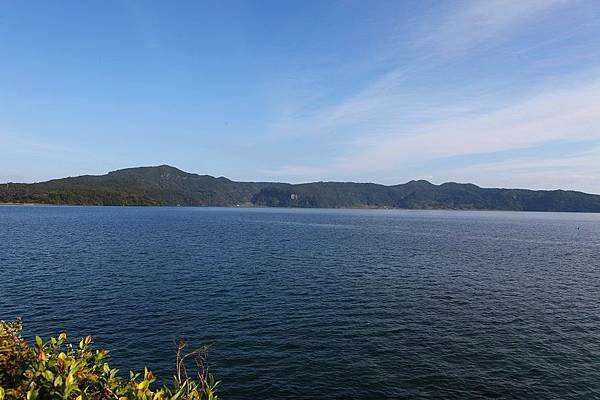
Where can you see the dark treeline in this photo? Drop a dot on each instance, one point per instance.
(169, 186)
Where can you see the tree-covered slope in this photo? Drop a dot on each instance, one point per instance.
(165, 185)
(162, 185)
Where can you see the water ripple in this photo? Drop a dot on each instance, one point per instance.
(311, 304)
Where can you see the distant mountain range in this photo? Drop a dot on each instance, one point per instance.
(168, 186)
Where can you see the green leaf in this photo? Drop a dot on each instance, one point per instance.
(178, 394)
(143, 385)
(38, 341)
(32, 394)
(49, 375)
(2, 393)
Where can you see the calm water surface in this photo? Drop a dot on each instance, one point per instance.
(314, 304)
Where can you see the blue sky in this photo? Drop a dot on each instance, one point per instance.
(500, 93)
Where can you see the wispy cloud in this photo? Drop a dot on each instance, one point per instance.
(394, 122)
(578, 171)
(381, 107)
(564, 113)
(571, 113)
(478, 21)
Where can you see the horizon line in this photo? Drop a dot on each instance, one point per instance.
(299, 183)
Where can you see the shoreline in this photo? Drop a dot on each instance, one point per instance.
(246, 207)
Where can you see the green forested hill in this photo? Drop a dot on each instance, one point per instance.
(162, 185)
(165, 185)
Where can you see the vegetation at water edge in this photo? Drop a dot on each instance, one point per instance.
(168, 186)
(56, 369)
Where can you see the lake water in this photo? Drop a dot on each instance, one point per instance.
(320, 304)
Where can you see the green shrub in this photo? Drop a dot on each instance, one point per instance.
(56, 369)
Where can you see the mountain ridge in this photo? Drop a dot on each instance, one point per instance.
(165, 185)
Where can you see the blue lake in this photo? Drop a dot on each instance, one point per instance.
(320, 304)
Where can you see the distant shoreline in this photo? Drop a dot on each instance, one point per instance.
(294, 208)
(26, 204)
(168, 186)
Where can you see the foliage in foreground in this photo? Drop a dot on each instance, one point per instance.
(59, 370)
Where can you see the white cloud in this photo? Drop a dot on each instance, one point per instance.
(382, 107)
(393, 121)
(479, 21)
(568, 111)
(571, 113)
(577, 171)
